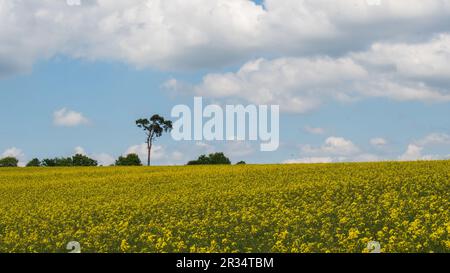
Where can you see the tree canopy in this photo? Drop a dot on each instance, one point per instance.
(9, 162)
(129, 160)
(77, 160)
(153, 128)
(211, 159)
(35, 162)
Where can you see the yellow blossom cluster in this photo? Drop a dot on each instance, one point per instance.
(247, 208)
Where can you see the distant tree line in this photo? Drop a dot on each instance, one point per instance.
(79, 160)
(211, 159)
(153, 127)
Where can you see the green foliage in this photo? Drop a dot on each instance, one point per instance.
(129, 160)
(77, 160)
(35, 162)
(211, 159)
(82, 160)
(9, 162)
(241, 163)
(153, 128)
(57, 162)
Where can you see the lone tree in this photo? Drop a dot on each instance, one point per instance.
(153, 128)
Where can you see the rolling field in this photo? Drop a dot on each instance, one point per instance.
(259, 208)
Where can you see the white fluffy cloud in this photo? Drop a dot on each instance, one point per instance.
(337, 146)
(159, 154)
(296, 84)
(141, 150)
(103, 159)
(415, 150)
(68, 118)
(397, 71)
(426, 60)
(15, 152)
(334, 149)
(378, 142)
(338, 149)
(80, 150)
(204, 33)
(435, 139)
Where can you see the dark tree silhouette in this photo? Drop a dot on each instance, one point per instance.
(77, 160)
(211, 159)
(35, 162)
(9, 162)
(129, 160)
(82, 160)
(153, 128)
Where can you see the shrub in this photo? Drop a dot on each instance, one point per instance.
(82, 160)
(77, 160)
(129, 160)
(211, 159)
(9, 162)
(34, 163)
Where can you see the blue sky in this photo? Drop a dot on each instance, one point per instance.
(385, 97)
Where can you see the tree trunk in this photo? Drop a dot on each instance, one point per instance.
(149, 149)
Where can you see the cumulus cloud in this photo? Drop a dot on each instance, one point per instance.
(68, 118)
(415, 149)
(296, 84)
(334, 149)
(426, 60)
(159, 154)
(103, 159)
(378, 142)
(178, 34)
(413, 152)
(302, 84)
(435, 139)
(338, 149)
(13, 152)
(80, 150)
(333, 146)
(16, 153)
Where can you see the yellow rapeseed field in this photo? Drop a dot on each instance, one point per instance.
(259, 208)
